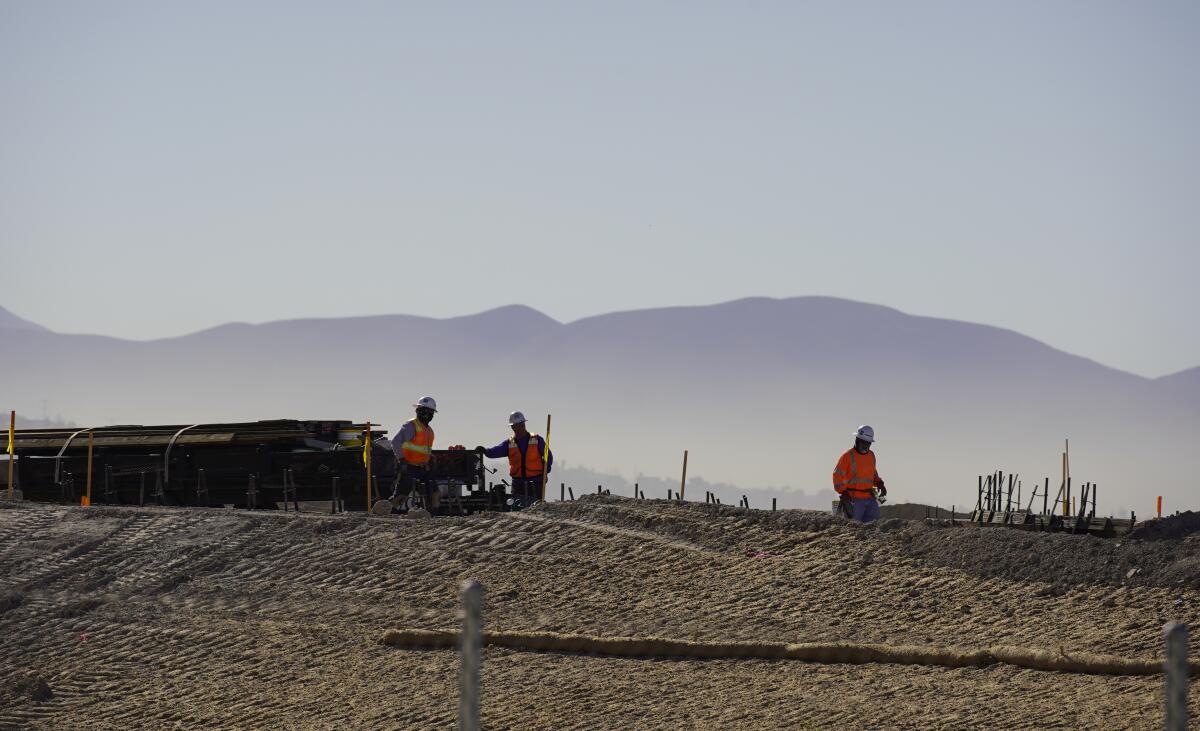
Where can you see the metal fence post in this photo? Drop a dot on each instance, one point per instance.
(472, 644)
(1176, 637)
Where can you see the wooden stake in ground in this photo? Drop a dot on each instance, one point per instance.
(545, 459)
(87, 499)
(683, 480)
(1063, 489)
(12, 452)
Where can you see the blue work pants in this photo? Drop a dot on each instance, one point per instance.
(865, 510)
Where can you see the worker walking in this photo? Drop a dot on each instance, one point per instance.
(856, 480)
(527, 460)
(413, 446)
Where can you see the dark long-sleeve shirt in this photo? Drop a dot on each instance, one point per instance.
(501, 449)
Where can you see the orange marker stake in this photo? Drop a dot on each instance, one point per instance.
(1160, 506)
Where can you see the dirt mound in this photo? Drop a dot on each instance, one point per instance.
(1174, 526)
(237, 610)
(704, 522)
(915, 511)
(1059, 559)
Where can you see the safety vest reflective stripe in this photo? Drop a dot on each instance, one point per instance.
(419, 449)
(530, 460)
(858, 481)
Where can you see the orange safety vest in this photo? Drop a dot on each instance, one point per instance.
(418, 451)
(855, 475)
(527, 464)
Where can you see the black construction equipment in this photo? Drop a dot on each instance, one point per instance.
(249, 464)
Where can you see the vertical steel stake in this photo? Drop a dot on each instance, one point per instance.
(472, 648)
(1176, 667)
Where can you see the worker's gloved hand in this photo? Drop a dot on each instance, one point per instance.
(480, 450)
(882, 490)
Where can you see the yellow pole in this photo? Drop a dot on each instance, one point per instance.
(87, 499)
(545, 459)
(12, 451)
(367, 464)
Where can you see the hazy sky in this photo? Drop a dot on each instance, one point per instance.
(168, 166)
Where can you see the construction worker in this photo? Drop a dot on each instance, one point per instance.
(856, 480)
(413, 446)
(527, 460)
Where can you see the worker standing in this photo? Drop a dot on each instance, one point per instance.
(856, 480)
(527, 460)
(413, 446)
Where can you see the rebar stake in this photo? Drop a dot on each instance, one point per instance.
(472, 647)
(1176, 667)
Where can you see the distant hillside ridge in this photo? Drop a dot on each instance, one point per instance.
(761, 391)
(9, 321)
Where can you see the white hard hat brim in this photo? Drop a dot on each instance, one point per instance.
(868, 440)
(422, 406)
(518, 421)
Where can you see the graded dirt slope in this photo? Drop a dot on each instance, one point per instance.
(151, 618)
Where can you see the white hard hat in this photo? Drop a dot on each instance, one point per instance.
(516, 417)
(426, 402)
(865, 433)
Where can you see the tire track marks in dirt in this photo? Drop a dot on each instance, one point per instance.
(128, 544)
(610, 530)
(215, 618)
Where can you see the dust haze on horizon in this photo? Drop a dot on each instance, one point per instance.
(171, 167)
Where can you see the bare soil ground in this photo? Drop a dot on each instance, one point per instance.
(153, 618)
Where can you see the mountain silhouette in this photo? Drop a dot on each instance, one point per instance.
(762, 392)
(9, 321)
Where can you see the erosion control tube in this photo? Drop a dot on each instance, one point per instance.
(821, 652)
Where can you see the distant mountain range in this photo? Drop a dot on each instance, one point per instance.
(761, 391)
(10, 321)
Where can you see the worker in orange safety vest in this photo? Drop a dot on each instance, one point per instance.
(857, 481)
(413, 446)
(527, 460)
